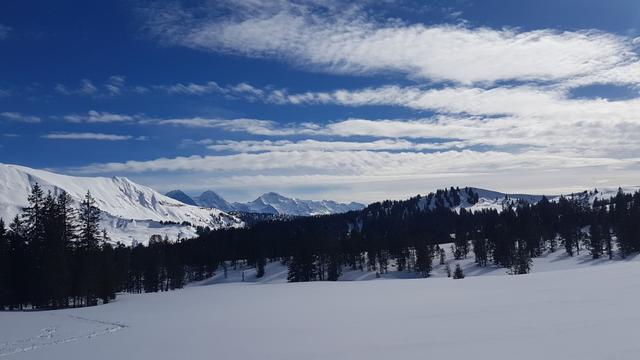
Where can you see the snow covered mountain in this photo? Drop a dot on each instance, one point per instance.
(130, 212)
(211, 199)
(269, 203)
(274, 203)
(182, 197)
(476, 199)
(471, 199)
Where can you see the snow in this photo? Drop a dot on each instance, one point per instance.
(274, 203)
(268, 203)
(130, 211)
(586, 313)
(276, 273)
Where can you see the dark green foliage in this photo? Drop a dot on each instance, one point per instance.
(458, 273)
(47, 264)
(521, 263)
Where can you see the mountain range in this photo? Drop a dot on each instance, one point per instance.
(268, 203)
(130, 212)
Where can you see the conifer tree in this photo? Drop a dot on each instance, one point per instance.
(5, 269)
(458, 273)
(89, 223)
(521, 263)
(595, 240)
(260, 267)
(89, 246)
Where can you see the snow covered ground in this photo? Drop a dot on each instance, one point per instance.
(588, 312)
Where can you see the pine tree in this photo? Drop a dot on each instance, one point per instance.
(608, 242)
(56, 274)
(458, 273)
(260, 267)
(34, 221)
(424, 258)
(521, 263)
(88, 250)
(89, 223)
(5, 269)
(302, 268)
(596, 240)
(34, 215)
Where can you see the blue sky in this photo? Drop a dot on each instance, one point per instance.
(324, 99)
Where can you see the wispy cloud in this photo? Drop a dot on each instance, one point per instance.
(91, 136)
(251, 146)
(344, 39)
(101, 117)
(251, 126)
(4, 31)
(19, 117)
(86, 88)
(372, 175)
(115, 85)
(358, 162)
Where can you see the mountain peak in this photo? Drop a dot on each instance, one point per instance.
(273, 196)
(181, 196)
(211, 199)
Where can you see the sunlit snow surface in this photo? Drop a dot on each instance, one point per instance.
(570, 308)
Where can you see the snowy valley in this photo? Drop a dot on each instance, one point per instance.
(560, 310)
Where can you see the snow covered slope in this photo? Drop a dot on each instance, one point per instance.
(488, 199)
(586, 314)
(130, 211)
(275, 272)
(588, 197)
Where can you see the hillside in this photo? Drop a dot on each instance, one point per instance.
(130, 211)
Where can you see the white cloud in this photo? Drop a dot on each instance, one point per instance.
(87, 87)
(242, 90)
(375, 175)
(191, 88)
(4, 31)
(250, 146)
(18, 117)
(378, 163)
(101, 117)
(89, 136)
(115, 84)
(548, 103)
(251, 126)
(343, 39)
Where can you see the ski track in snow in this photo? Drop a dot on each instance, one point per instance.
(53, 335)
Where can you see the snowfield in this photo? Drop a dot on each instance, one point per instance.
(584, 313)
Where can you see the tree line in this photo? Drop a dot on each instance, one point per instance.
(54, 255)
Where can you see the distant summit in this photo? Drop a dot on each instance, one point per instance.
(181, 196)
(211, 199)
(268, 203)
